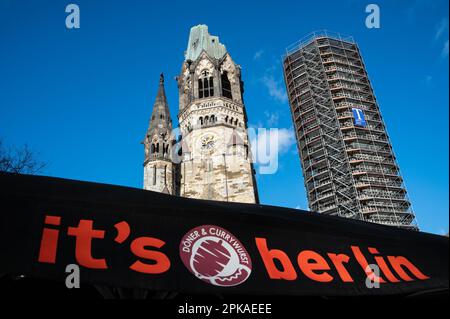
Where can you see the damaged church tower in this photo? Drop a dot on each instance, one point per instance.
(215, 159)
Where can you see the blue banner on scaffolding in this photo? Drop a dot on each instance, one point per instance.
(358, 116)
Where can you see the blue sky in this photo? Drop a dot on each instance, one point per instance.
(82, 98)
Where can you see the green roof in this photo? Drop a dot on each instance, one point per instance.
(200, 39)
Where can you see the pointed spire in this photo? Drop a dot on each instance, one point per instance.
(160, 115)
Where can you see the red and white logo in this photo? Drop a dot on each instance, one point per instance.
(215, 256)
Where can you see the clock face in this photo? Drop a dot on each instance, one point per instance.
(208, 142)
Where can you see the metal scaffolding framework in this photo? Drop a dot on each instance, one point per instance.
(349, 169)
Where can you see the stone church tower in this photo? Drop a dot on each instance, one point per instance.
(212, 159)
(158, 167)
(216, 160)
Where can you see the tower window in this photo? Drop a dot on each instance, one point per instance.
(205, 85)
(211, 86)
(154, 175)
(152, 149)
(226, 85)
(200, 88)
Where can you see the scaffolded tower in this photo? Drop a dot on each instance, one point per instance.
(348, 164)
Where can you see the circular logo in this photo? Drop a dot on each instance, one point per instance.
(215, 256)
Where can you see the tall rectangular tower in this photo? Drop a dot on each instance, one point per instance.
(348, 164)
(212, 160)
(216, 162)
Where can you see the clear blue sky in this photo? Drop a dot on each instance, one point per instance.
(82, 98)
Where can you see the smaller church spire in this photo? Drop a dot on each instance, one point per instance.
(158, 143)
(158, 140)
(160, 115)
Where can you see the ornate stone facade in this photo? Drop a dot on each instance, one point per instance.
(215, 161)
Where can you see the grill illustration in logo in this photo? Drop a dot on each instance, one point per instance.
(215, 256)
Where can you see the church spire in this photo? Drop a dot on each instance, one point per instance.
(159, 139)
(160, 115)
(158, 144)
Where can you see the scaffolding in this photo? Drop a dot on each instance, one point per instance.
(349, 170)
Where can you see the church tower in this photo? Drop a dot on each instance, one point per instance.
(216, 160)
(158, 167)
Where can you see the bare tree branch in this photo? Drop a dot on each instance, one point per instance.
(19, 160)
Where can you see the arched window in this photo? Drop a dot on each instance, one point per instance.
(213, 119)
(157, 147)
(231, 121)
(164, 148)
(206, 120)
(226, 119)
(205, 85)
(201, 120)
(167, 149)
(236, 122)
(226, 85)
(152, 149)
